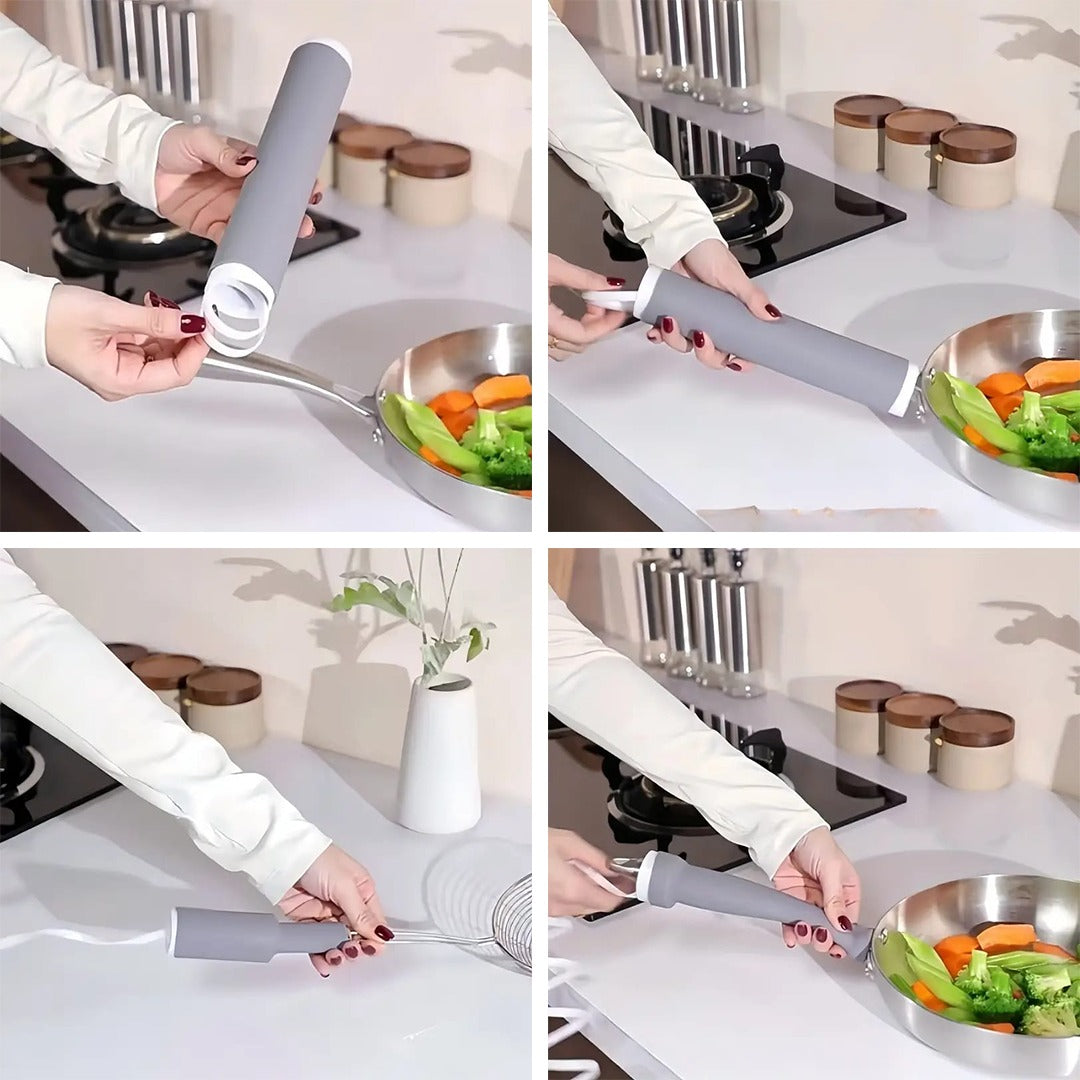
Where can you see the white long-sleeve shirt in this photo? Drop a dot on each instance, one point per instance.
(607, 698)
(105, 138)
(57, 675)
(592, 129)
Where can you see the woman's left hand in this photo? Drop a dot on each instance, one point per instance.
(199, 177)
(818, 871)
(713, 264)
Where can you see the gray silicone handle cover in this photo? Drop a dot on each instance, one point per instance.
(201, 934)
(806, 352)
(264, 224)
(674, 881)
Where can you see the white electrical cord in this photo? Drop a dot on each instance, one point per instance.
(74, 935)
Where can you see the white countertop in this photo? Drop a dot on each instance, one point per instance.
(681, 994)
(116, 866)
(220, 456)
(680, 440)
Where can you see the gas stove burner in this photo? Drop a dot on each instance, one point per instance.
(21, 767)
(16, 151)
(646, 808)
(724, 197)
(119, 231)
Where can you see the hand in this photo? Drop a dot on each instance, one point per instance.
(570, 892)
(199, 176)
(119, 349)
(818, 871)
(566, 335)
(713, 264)
(336, 888)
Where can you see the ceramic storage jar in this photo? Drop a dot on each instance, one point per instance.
(860, 714)
(226, 703)
(911, 146)
(165, 674)
(859, 130)
(977, 166)
(912, 723)
(975, 751)
(127, 653)
(431, 183)
(362, 154)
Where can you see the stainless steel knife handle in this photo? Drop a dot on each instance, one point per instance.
(667, 880)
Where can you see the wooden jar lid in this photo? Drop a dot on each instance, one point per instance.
(977, 144)
(977, 727)
(373, 142)
(865, 110)
(431, 160)
(917, 127)
(917, 710)
(866, 695)
(165, 671)
(125, 652)
(224, 686)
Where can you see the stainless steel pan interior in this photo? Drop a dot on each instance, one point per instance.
(1052, 905)
(457, 360)
(1006, 343)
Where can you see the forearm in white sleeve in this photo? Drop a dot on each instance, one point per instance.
(24, 305)
(608, 699)
(591, 128)
(106, 138)
(55, 673)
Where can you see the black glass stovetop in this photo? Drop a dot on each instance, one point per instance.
(582, 778)
(37, 194)
(824, 214)
(66, 781)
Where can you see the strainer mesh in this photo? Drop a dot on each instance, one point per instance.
(511, 921)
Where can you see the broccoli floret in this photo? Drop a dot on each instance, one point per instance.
(1053, 1019)
(1052, 444)
(1041, 989)
(1027, 419)
(511, 468)
(975, 977)
(484, 438)
(998, 1004)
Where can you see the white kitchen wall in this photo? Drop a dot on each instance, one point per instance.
(1015, 63)
(340, 682)
(992, 628)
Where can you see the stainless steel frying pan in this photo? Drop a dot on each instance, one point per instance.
(1051, 905)
(457, 360)
(1006, 343)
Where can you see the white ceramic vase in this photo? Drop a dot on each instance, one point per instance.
(439, 780)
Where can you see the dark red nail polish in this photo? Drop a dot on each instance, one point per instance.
(790, 945)
(192, 324)
(384, 932)
(316, 198)
(735, 367)
(245, 160)
(369, 950)
(772, 310)
(801, 930)
(352, 951)
(155, 300)
(845, 922)
(699, 340)
(821, 934)
(616, 282)
(335, 960)
(667, 324)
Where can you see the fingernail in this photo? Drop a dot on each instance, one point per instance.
(801, 929)
(369, 950)
(821, 934)
(790, 944)
(616, 282)
(160, 301)
(699, 340)
(836, 955)
(772, 310)
(845, 922)
(384, 932)
(667, 324)
(192, 324)
(352, 951)
(316, 198)
(335, 960)
(324, 974)
(245, 160)
(734, 366)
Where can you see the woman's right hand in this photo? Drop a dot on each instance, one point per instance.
(570, 892)
(119, 349)
(567, 335)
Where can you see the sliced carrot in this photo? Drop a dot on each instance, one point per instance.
(1003, 382)
(501, 388)
(523, 494)
(926, 996)
(457, 423)
(1050, 949)
(1006, 404)
(955, 962)
(450, 401)
(1015, 935)
(1005, 1029)
(956, 943)
(429, 455)
(1071, 477)
(979, 442)
(1052, 373)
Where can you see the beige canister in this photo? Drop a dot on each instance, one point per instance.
(911, 727)
(977, 166)
(166, 674)
(226, 704)
(431, 183)
(362, 154)
(859, 130)
(911, 145)
(860, 714)
(975, 749)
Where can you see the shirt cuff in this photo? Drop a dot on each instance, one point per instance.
(303, 851)
(24, 308)
(771, 851)
(671, 242)
(135, 174)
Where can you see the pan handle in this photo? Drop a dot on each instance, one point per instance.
(265, 370)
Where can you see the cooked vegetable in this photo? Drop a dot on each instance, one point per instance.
(432, 433)
(1052, 950)
(429, 455)
(1067, 402)
(980, 443)
(975, 978)
(939, 397)
(1005, 1029)
(394, 417)
(1014, 935)
(451, 401)
(997, 1004)
(484, 438)
(1043, 988)
(973, 406)
(1023, 959)
(502, 388)
(1053, 373)
(1003, 382)
(955, 952)
(1006, 404)
(511, 468)
(1052, 1020)
(520, 418)
(922, 992)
